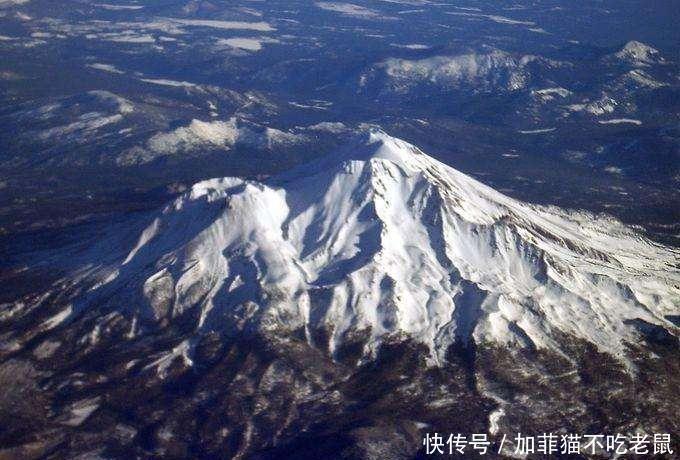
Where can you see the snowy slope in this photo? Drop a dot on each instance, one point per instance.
(379, 237)
(639, 54)
(493, 70)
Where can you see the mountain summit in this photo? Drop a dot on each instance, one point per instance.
(360, 300)
(640, 54)
(380, 240)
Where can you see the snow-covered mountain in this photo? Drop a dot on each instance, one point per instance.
(383, 240)
(201, 137)
(639, 54)
(491, 70)
(250, 312)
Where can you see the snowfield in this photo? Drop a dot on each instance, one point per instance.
(381, 238)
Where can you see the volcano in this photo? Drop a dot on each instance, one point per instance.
(373, 272)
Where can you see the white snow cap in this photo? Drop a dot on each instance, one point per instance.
(382, 238)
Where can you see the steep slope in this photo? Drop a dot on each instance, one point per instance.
(381, 239)
(341, 310)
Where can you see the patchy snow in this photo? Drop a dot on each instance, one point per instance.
(106, 68)
(87, 124)
(549, 94)
(129, 38)
(350, 9)
(198, 132)
(640, 54)
(492, 17)
(57, 319)
(46, 349)
(108, 6)
(248, 44)
(411, 46)
(481, 71)
(111, 110)
(201, 135)
(41, 35)
(618, 121)
(81, 411)
(147, 32)
(537, 131)
(640, 78)
(313, 105)
(162, 364)
(331, 127)
(494, 417)
(166, 82)
(600, 107)
(224, 25)
(126, 36)
(11, 3)
(122, 105)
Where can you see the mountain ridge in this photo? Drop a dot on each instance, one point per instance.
(378, 239)
(374, 294)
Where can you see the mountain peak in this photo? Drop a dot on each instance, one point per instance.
(387, 241)
(639, 54)
(372, 143)
(384, 146)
